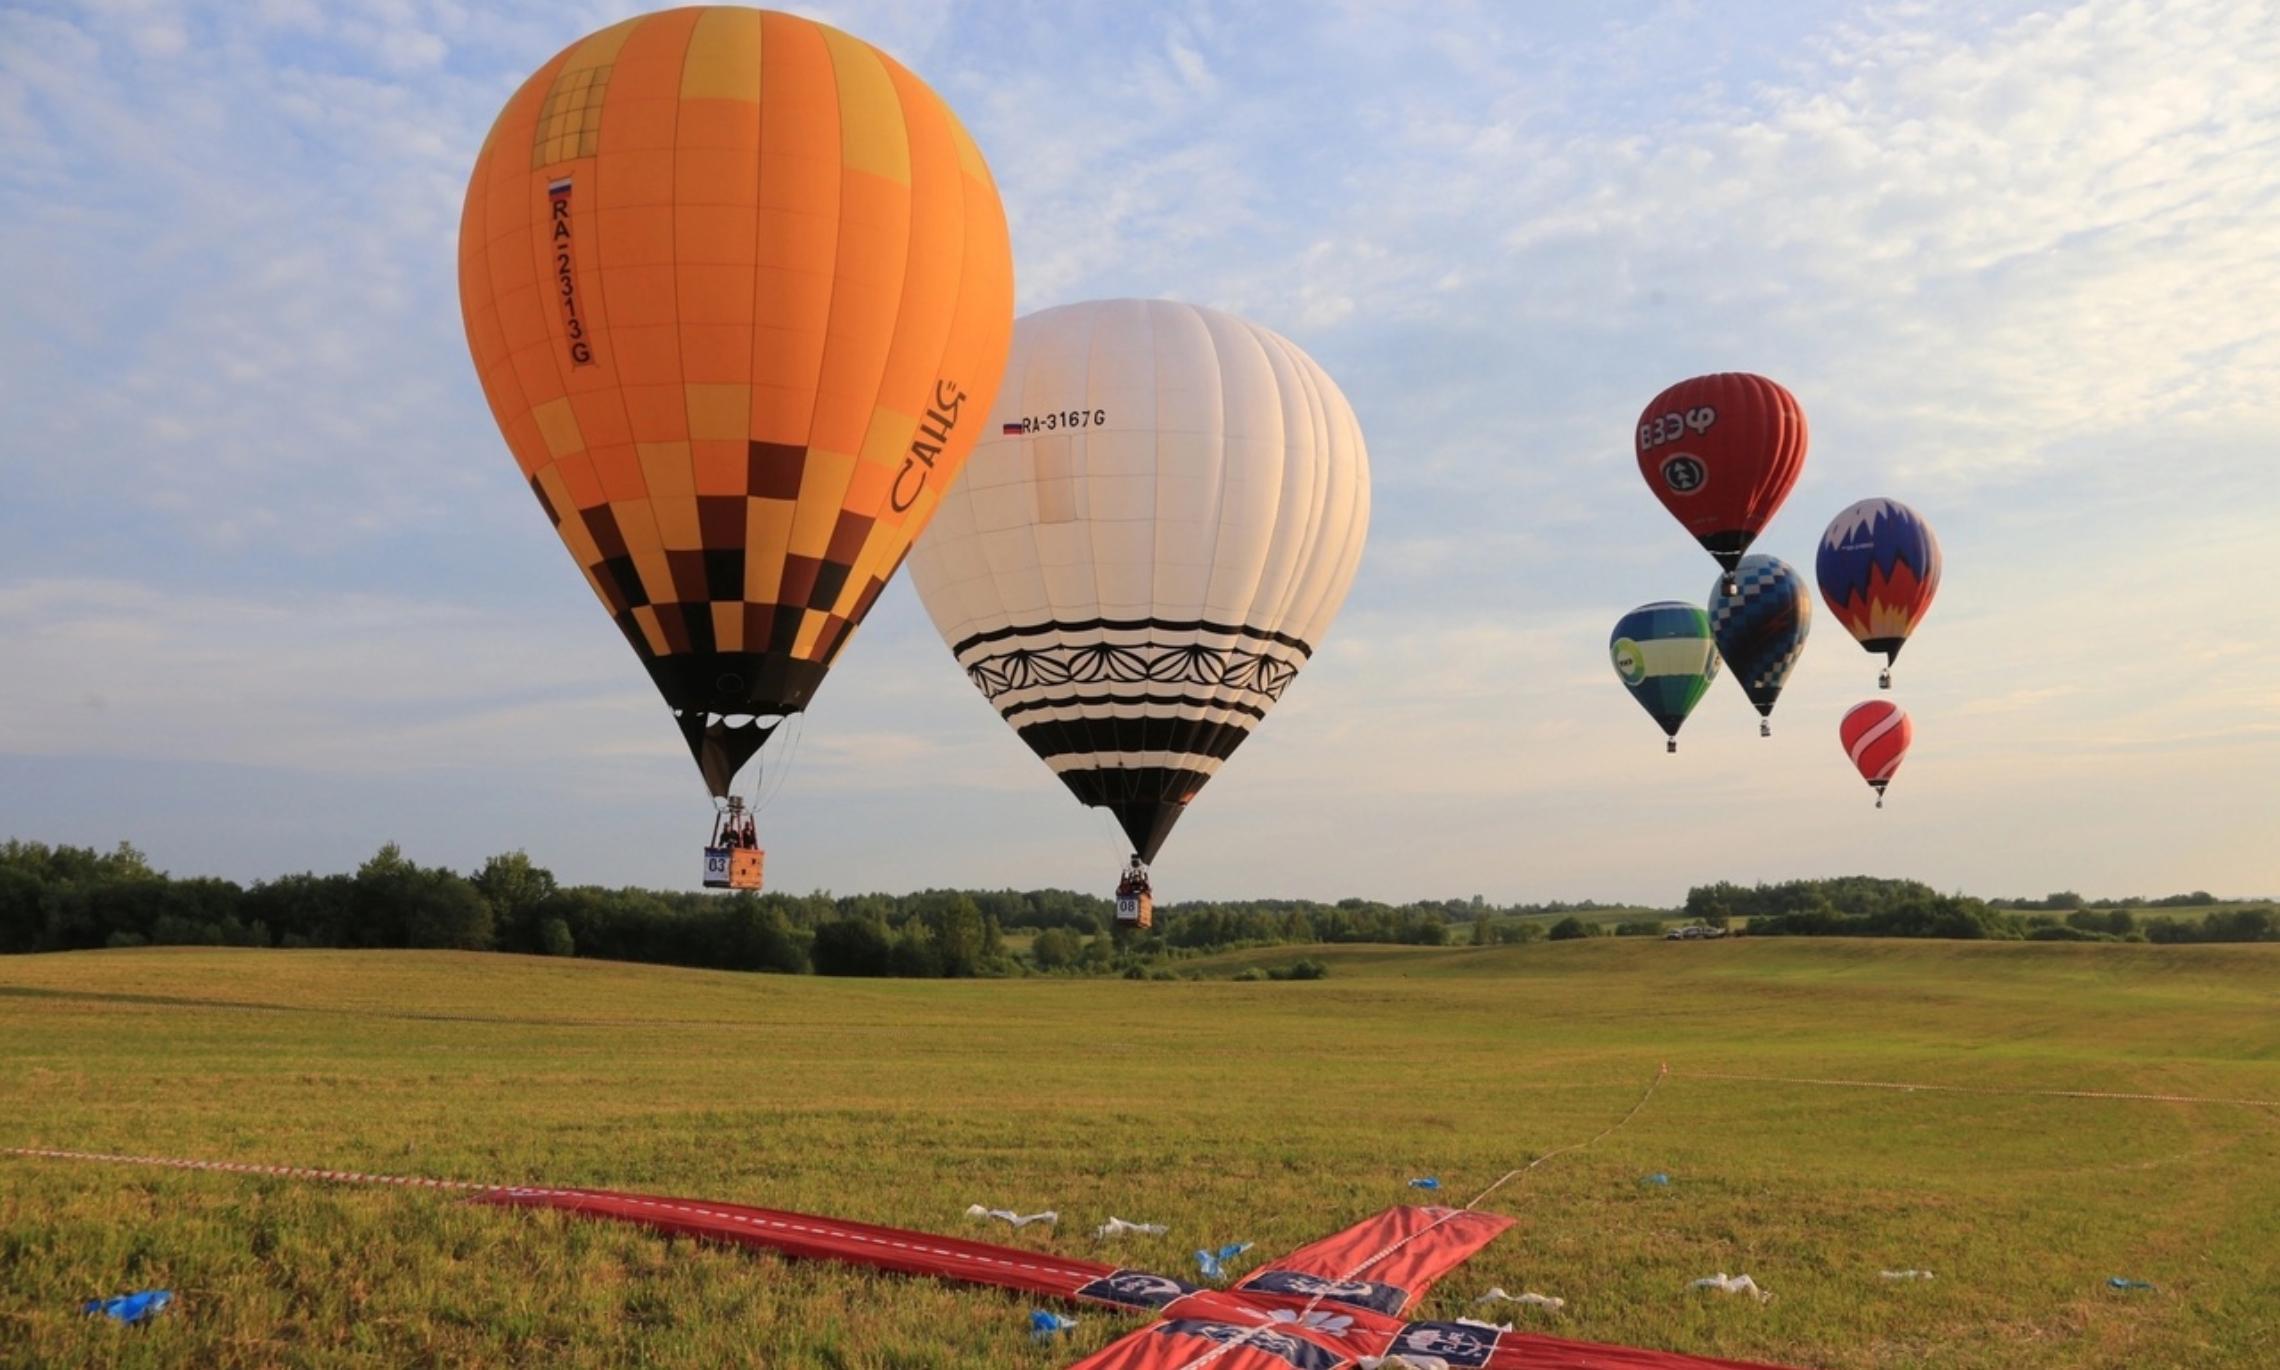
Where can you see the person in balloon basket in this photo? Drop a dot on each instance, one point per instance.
(1135, 881)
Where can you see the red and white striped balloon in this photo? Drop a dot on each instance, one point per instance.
(1876, 736)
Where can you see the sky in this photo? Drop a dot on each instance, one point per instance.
(271, 590)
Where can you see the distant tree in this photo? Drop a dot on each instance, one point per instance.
(915, 955)
(956, 934)
(517, 890)
(2240, 925)
(753, 935)
(442, 910)
(1572, 927)
(1055, 948)
(1482, 934)
(21, 922)
(852, 946)
(554, 939)
(398, 904)
(306, 910)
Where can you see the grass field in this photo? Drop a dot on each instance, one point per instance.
(1268, 1112)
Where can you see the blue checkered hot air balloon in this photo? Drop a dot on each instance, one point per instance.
(1760, 628)
(1663, 653)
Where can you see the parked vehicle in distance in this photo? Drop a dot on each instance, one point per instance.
(1696, 932)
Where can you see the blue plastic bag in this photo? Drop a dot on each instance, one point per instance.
(1657, 1178)
(130, 1308)
(1044, 1326)
(1210, 1262)
(1427, 1182)
(2117, 1282)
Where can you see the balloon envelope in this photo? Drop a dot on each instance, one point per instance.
(1879, 567)
(1760, 629)
(1663, 654)
(1721, 452)
(739, 291)
(1162, 518)
(1876, 736)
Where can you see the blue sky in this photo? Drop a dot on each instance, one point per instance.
(271, 592)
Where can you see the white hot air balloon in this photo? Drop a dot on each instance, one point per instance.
(1158, 524)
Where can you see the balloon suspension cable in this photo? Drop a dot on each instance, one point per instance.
(760, 801)
(1112, 836)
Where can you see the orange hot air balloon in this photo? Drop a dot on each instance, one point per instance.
(739, 291)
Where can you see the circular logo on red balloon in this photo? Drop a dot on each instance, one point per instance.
(1684, 473)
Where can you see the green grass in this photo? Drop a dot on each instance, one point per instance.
(1272, 1112)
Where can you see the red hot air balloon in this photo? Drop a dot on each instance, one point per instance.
(1876, 736)
(1721, 453)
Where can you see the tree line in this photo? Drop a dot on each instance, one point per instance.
(62, 898)
(1865, 906)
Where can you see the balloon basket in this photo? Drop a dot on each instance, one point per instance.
(1765, 727)
(1884, 679)
(1670, 745)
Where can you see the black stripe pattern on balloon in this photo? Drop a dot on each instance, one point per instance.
(1233, 668)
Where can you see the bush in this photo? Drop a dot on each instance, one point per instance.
(1308, 969)
(1640, 927)
(1250, 973)
(1572, 927)
(554, 939)
(1055, 948)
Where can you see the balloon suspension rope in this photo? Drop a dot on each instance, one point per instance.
(1365, 1263)
(783, 768)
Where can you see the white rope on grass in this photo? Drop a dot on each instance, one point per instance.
(290, 1172)
(1906, 1088)
(1043, 1263)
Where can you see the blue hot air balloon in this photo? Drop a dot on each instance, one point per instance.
(1664, 655)
(1879, 568)
(1760, 628)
